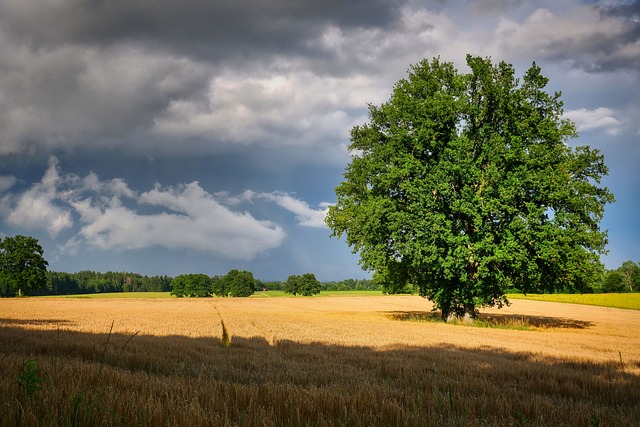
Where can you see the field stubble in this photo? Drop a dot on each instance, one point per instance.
(314, 361)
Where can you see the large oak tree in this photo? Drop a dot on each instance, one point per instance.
(22, 265)
(463, 186)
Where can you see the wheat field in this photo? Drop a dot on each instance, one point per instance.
(320, 361)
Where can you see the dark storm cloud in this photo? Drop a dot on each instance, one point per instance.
(150, 76)
(70, 96)
(629, 11)
(204, 29)
(587, 38)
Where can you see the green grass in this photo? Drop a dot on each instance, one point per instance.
(483, 321)
(627, 301)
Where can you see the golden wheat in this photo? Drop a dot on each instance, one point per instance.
(315, 361)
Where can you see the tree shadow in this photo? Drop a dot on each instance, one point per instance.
(536, 321)
(498, 320)
(115, 377)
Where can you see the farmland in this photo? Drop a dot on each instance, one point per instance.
(328, 360)
(630, 301)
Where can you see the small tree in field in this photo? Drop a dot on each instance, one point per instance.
(292, 285)
(463, 186)
(192, 285)
(305, 285)
(238, 283)
(22, 265)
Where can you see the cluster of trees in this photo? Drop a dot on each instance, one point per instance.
(235, 283)
(23, 269)
(625, 278)
(340, 285)
(305, 285)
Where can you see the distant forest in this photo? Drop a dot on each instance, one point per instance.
(626, 278)
(89, 282)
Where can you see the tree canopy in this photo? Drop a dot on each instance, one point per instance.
(305, 285)
(238, 283)
(463, 186)
(22, 265)
(192, 285)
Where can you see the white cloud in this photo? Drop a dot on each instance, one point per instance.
(35, 209)
(189, 218)
(197, 220)
(292, 108)
(600, 118)
(305, 215)
(186, 217)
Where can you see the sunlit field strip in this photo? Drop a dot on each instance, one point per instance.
(629, 301)
(625, 300)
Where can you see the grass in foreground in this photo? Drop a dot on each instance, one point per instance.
(630, 301)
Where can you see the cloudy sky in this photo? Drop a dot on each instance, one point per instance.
(173, 137)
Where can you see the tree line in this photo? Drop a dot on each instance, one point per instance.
(88, 282)
(625, 278)
(235, 283)
(23, 270)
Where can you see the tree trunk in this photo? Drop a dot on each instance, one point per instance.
(470, 312)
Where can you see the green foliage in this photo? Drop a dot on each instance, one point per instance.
(463, 186)
(305, 285)
(291, 285)
(625, 278)
(351, 285)
(630, 272)
(192, 285)
(390, 286)
(613, 282)
(87, 282)
(220, 287)
(238, 283)
(22, 265)
(29, 378)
